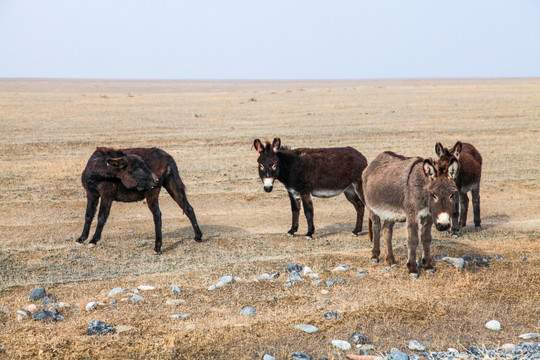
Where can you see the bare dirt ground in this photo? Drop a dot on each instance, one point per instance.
(50, 128)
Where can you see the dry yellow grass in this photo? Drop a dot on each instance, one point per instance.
(50, 128)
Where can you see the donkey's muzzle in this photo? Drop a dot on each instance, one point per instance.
(268, 188)
(268, 184)
(442, 227)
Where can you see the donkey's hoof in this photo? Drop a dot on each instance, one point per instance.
(307, 237)
(289, 235)
(478, 228)
(455, 235)
(413, 275)
(431, 271)
(374, 261)
(157, 252)
(91, 245)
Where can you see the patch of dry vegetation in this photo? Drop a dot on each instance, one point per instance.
(50, 128)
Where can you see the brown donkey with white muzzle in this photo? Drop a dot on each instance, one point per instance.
(399, 189)
(305, 172)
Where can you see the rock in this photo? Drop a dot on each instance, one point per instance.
(416, 346)
(294, 267)
(340, 280)
(493, 325)
(313, 275)
(248, 311)
(46, 300)
(458, 263)
(175, 302)
(398, 355)
(310, 329)
(92, 305)
(316, 282)
(306, 270)
(176, 290)
(330, 315)
(180, 316)
(5, 309)
(467, 258)
(341, 344)
(529, 336)
(386, 269)
(268, 357)
(266, 277)
(124, 328)
(481, 262)
(145, 287)
(212, 288)
(61, 305)
(22, 314)
(288, 283)
(507, 347)
(361, 272)
(275, 275)
(115, 291)
(300, 356)
(97, 327)
(295, 276)
(226, 279)
(329, 283)
(37, 293)
(358, 338)
(46, 315)
(31, 308)
(341, 267)
(325, 292)
(136, 298)
(220, 284)
(496, 257)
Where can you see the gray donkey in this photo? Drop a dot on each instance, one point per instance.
(399, 189)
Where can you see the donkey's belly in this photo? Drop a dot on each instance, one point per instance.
(390, 214)
(326, 193)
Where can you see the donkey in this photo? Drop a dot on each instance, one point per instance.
(399, 189)
(468, 179)
(305, 172)
(129, 175)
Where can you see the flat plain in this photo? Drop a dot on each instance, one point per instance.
(49, 128)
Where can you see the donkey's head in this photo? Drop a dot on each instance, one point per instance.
(130, 169)
(268, 162)
(442, 192)
(447, 155)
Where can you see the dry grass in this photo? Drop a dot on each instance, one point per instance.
(49, 129)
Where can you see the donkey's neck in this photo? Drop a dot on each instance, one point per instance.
(287, 158)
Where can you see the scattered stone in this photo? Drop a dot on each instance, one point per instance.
(5, 309)
(398, 355)
(313, 275)
(386, 269)
(23, 313)
(145, 287)
(341, 267)
(176, 290)
(481, 262)
(529, 336)
(361, 272)
(97, 327)
(268, 357)
(330, 315)
(316, 282)
(467, 258)
(31, 308)
(300, 356)
(306, 270)
(294, 267)
(358, 338)
(60, 305)
(310, 329)
(92, 305)
(136, 298)
(46, 300)
(37, 293)
(180, 316)
(46, 315)
(175, 302)
(496, 257)
(265, 277)
(325, 292)
(340, 280)
(341, 344)
(295, 276)
(524, 259)
(115, 291)
(288, 283)
(493, 325)
(275, 275)
(329, 283)
(416, 346)
(248, 311)
(458, 263)
(220, 284)
(212, 288)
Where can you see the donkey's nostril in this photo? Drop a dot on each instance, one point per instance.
(268, 188)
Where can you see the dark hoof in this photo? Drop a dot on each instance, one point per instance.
(289, 235)
(374, 260)
(157, 252)
(308, 237)
(198, 239)
(478, 228)
(79, 241)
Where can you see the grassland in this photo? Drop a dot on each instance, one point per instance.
(49, 128)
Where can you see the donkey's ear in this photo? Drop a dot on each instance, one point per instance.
(118, 163)
(429, 169)
(453, 169)
(439, 149)
(257, 144)
(456, 150)
(276, 144)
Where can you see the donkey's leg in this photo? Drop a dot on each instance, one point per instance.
(178, 194)
(153, 204)
(455, 219)
(476, 206)
(376, 233)
(425, 236)
(295, 209)
(412, 244)
(104, 210)
(464, 209)
(91, 207)
(353, 198)
(387, 230)
(308, 211)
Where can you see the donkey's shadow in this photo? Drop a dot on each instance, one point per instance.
(210, 232)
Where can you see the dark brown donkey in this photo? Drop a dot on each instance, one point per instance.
(319, 172)
(399, 189)
(129, 175)
(468, 179)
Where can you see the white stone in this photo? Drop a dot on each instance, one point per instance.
(493, 325)
(459, 263)
(415, 345)
(248, 311)
(530, 336)
(343, 345)
(507, 347)
(145, 287)
(179, 316)
(115, 291)
(92, 305)
(325, 292)
(341, 267)
(212, 287)
(310, 329)
(226, 279)
(136, 298)
(313, 275)
(175, 302)
(268, 357)
(306, 270)
(220, 284)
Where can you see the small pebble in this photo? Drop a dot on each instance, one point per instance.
(300, 356)
(316, 282)
(306, 270)
(481, 262)
(341, 344)
(458, 263)
(115, 291)
(310, 329)
(358, 338)
(529, 336)
(37, 293)
(416, 346)
(295, 276)
(145, 287)
(330, 315)
(176, 290)
(341, 267)
(313, 275)
(386, 269)
(97, 327)
(294, 267)
(248, 311)
(180, 316)
(329, 283)
(268, 357)
(136, 298)
(493, 325)
(212, 288)
(92, 305)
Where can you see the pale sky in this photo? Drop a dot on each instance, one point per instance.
(278, 39)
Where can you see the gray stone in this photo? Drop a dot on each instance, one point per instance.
(288, 283)
(341, 267)
(226, 279)
(92, 305)
(136, 298)
(176, 290)
(496, 257)
(295, 276)
(330, 315)
(180, 316)
(358, 338)
(300, 356)
(313, 275)
(46, 300)
(310, 329)
(212, 288)
(37, 293)
(529, 336)
(398, 355)
(458, 263)
(386, 269)
(294, 267)
(493, 325)
(268, 357)
(97, 327)
(248, 311)
(467, 258)
(329, 283)
(340, 280)
(115, 291)
(47, 315)
(481, 262)
(416, 346)
(341, 344)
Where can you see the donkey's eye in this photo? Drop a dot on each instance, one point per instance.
(434, 197)
(261, 166)
(452, 196)
(274, 167)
